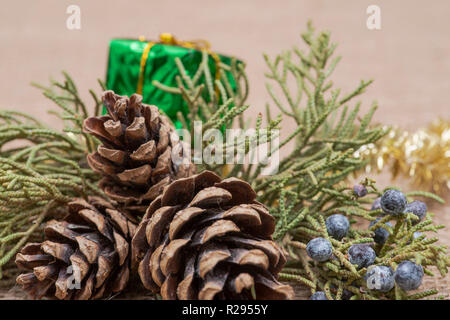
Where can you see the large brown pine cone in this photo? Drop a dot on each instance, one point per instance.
(140, 155)
(84, 256)
(204, 238)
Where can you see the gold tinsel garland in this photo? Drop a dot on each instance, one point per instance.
(423, 156)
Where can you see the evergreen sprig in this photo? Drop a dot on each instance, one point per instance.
(310, 182)
(42, 168)
(340, 274)
(328, 129)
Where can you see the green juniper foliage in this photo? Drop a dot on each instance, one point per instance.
(41, 168)
(310, 183)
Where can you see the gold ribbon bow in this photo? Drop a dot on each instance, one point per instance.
(169, 39)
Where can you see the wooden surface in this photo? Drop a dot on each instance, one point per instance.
(409, 58)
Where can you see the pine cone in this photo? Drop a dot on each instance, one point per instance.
(204, 238)
(140, 155)
(85, 256)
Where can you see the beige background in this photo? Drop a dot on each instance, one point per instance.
(409, 58)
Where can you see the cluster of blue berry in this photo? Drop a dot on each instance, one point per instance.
(407, 276)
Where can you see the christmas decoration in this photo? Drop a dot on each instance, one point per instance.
(134, 64)
(86, 255)
(422, 156)
(140, 152)
(204, 238)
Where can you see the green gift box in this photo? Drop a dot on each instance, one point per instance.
(133, 65)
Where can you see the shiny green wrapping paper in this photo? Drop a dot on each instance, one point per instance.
(124, 66)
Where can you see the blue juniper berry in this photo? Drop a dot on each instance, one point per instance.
(376, 204)
(347, 294)
(359, 190)
(381, 234)
(362, 255)
(393, 202)
(319, 295)
(408, 275)
(337, 226)
(319, 249)
(418, 208)
(380, 278)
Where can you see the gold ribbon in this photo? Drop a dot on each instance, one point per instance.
(169, 39)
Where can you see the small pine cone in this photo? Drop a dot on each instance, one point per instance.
(204, 238)
(140, 152)
(86, 255)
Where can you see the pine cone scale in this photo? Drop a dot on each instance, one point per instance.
(104, 130)
(33, 261)
(115, 156)
(214, 284)
(79, 263)
(138, 176)
(185, 289)
(58, 250)
(156, 226)
(210, 257)
(154, 265)
(170, 256)
(45, 272)
(181, 218)
(145, 153)
(144, 274)
(241, 282)
(60, 229)
(121, 247)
